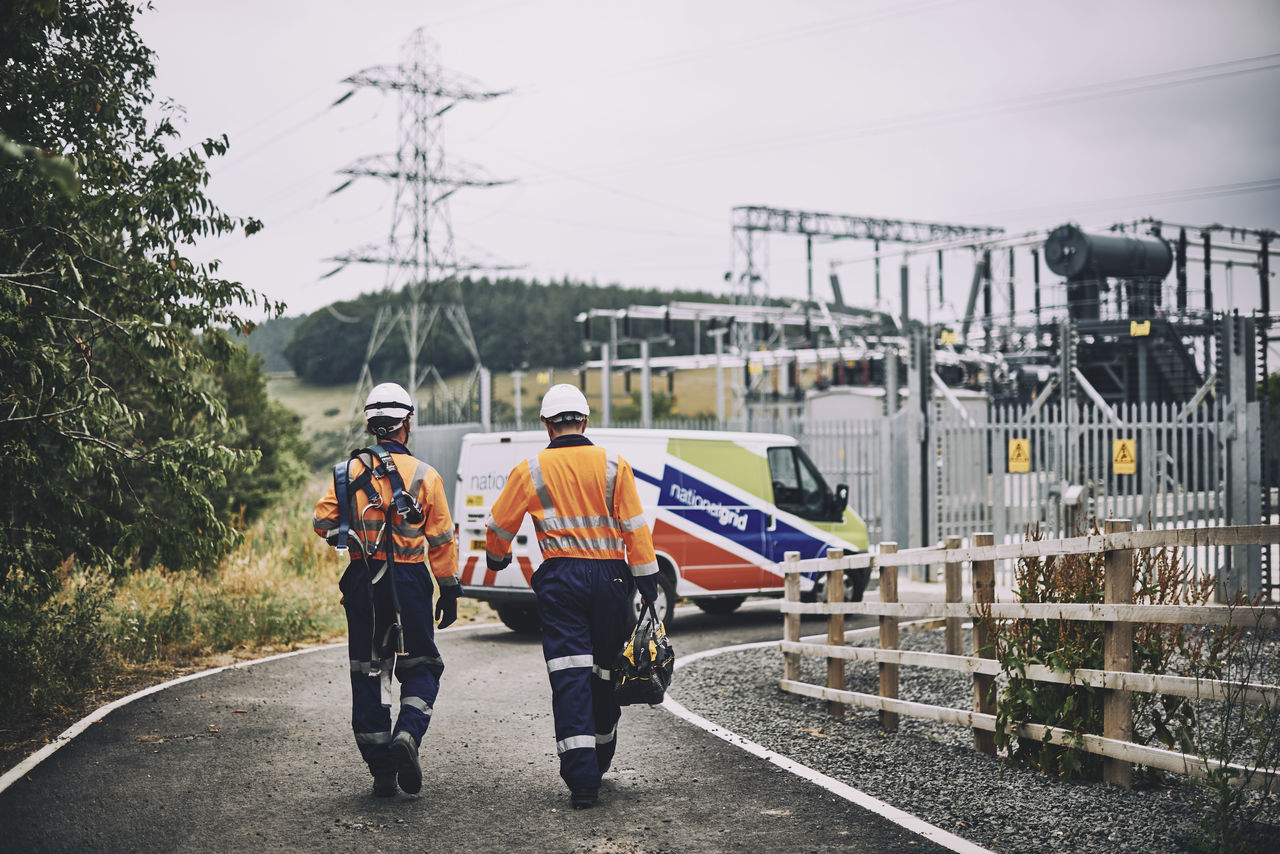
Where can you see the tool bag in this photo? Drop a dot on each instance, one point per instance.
(643, 668)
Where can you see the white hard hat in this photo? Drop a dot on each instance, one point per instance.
(564, 398)
(388, 400)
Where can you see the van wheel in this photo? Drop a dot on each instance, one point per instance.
(522, 620)
(720, 604)
(666, 604)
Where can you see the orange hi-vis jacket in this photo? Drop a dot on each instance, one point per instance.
(584, 504)
(431, 540)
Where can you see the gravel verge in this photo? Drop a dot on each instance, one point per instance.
(931, 770)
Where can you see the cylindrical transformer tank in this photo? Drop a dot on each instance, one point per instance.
(1071, 253)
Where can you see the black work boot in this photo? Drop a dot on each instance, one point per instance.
(405, 754)
(384, 785)
(583, 799)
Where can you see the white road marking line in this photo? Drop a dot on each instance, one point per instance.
(903, 819)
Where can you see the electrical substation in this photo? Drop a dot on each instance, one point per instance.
(1025, 382)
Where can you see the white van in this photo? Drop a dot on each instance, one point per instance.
(723, 507)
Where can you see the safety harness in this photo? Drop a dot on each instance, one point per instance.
(378, 465)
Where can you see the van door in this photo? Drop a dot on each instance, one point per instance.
(798, 489)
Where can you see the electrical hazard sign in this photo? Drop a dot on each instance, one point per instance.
(1019, 456)
(1124, 456)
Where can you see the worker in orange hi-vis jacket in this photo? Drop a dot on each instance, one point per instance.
(595, 545)
(389, 510)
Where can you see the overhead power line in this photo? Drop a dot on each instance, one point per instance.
(1019, 103)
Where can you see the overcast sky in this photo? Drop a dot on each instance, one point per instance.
(633, 130)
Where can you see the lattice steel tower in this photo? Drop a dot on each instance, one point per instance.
(419, 253)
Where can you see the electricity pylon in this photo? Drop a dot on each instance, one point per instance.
(419, 254)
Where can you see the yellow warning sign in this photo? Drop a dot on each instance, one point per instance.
(544, 377)
(475, 500)
(948, 336)
(1139, 328)
(755, 368)
(1124, 456)
(1019, 456)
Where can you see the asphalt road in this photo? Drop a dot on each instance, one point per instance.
(262, 759)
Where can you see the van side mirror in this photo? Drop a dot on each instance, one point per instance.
(841, 502)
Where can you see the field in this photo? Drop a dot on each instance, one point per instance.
(328, 408)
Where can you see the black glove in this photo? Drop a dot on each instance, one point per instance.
(648, 586)
(447, 605)
(496, 565)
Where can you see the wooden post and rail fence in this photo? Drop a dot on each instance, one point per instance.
(1117, 611)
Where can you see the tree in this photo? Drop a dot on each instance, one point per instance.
(117, 439)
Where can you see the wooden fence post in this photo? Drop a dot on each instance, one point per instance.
(1117, 652)
(951, 573)
(984, 590)
(888, 636)
(791, 622)
(835, 630)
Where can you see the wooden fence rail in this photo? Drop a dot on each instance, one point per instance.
(1117, 612)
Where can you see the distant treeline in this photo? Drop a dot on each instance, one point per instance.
(514, 322)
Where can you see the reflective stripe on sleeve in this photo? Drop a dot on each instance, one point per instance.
(324, 524)
(500, 533)
(644, 569)
(633, 524)
(440, 539)
(567, 662)
(540, 487)
(575, 742)
(568, 541)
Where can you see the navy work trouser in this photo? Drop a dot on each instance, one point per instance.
(370, 613)
(585, 608)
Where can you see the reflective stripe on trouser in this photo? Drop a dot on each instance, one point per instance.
(585, 608)
(369, 615)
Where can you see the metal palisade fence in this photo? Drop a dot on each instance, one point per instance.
(918, 477)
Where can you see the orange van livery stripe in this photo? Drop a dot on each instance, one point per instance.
(469, 572)
(490, 577)
(705, 564)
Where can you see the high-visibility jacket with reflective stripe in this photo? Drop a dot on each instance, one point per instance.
(584, 504)
(431, 541)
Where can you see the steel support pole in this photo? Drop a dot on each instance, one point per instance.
(516, 376)
(486, 392)
(606, 390)
(646, 387)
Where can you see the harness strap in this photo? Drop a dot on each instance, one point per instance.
(405, 506)
(344, 506)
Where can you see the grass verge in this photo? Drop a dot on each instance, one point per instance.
(100, 639)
